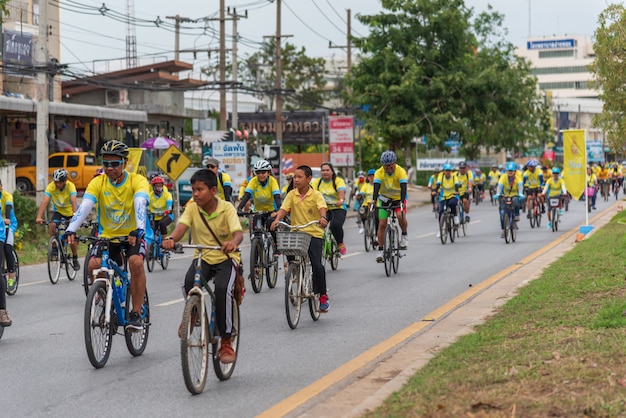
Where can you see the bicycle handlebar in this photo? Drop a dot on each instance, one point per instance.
(297, 227)
(201, 247)
(85, 238)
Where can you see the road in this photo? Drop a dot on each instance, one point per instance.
(45, 369)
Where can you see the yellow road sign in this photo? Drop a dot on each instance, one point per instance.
(173, 162)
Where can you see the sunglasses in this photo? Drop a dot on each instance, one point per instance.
(211, 166)
(114, 163)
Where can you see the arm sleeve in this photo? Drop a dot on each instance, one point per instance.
(376, 190)
(403, 187)
(228, 191)
(244, 199)
(277, 201)
(141, 209)
(81, 214)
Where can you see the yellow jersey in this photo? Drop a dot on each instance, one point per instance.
(447, 186)
(390, 183)
(330, 192)
(61, 199)
(263, 195)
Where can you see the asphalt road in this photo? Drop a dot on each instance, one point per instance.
(45, 369)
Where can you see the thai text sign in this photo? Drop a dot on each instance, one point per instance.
(341, 140)
(233, 158)
(17, 47)
(298, 127)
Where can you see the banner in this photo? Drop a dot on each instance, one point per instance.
(134, 159)
(574, 162)
(341, 140)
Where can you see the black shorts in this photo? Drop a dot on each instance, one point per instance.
(119, 252)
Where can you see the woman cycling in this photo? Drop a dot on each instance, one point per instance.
(333, 188)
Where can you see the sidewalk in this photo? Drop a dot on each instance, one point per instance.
(368, 386)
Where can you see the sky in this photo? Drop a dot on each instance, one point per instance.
(87, 35)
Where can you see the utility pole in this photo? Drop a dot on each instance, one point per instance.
(235, 17)
(349, 43)
(177, 19)
(43, 118)
(223, 115)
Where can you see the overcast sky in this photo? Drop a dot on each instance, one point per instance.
(88, 35)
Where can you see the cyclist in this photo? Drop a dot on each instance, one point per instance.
(121, 199)
(533, 182)
(447, 189)
(358, 184)
(333, 188)
(432, 185)
(617, 179)
(288, 185)
(390, 185)
(264, 191)
(603, 177)
(62, 193)
(479, 181)
(160, 201)
(5, 318)
(305, 204)
(224, 186)
(511, 184)
(554, 187)
(364, 197)
(212, 222)
(592, 182)
(11, 228)
(493, 177)
(466, 182)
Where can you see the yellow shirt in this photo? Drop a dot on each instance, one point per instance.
(367, 190)
(390, 184)
(115, 203)
(533, 180)
(554, 188)
(160, 204)
(447, 186)
(592, 180)
(223, 222)
(509, 189)
(263, 196)
(331, 196)
(242, 188)
(304, 209)
(494, 177)
(464, 181)
(603, 174)
(61, 199)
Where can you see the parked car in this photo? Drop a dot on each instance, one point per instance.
(81, 166)
(184, 186)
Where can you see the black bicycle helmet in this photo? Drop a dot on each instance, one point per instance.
(117, 148)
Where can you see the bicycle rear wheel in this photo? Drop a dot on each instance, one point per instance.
(224, 371)
(69, 265)
(395, 260)
(271, 259)
(553, 216)
(452, 228)
(293, 301)
(366, 238)
(151, 256)
(98, 333)
(443, 229)
(507, 228)
(314, 300)
(334, 255)
(86, 278)
(388, 250)
(136, 340)
(54, 259)
(194, 345)
(513, 230)
(533, 214)
(16, 261)
(256, 264)
(165, 259)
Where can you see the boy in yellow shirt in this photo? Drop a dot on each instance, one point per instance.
(222, 219)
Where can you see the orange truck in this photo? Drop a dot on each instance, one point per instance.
(81, 167)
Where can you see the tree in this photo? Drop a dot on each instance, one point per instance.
(609, 69)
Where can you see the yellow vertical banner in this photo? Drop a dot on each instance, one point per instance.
(574, 161)
(134, 159)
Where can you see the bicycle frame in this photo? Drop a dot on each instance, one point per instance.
(111, 269)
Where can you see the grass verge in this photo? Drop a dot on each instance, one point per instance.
(553, 350)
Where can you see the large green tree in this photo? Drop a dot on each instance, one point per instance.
(609, 69)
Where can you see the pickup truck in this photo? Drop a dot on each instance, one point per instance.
(81, 166)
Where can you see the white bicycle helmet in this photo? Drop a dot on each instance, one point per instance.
(59, 175)
(262, 165)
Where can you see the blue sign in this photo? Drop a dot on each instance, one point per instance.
(553, 44)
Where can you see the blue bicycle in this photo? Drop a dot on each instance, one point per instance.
(155, 252)
(108, 307)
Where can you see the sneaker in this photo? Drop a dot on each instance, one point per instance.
(528, 216)
(380, 256)
(560, 212)
(75, 264)
(543, 209)
(456, 220)
(5, 319)
(404, 242)
(502, 234)
(516, 218)
(10, 284)
(438, 234)
(342, 248)
(324, 303)
(593, 207)
(549, 225)
(361, 231)
(227, 354)
(134, 322)
(467, 219)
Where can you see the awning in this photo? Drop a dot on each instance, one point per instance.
(71, 109)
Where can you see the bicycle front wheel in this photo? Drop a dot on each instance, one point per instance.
(69, 264)
(443, 229)
(513, 230)
(151, 256)
(165, 259)
(554, 217)
(86, 278)
(256, 264)
(54, 259)
(366, 237)
(507, 228)
(293, 302)
(395, 255)
(271, 272)
(334, 255)
(16, 261)
(223, 371)
(98, 333)
(136, 340)
(194, 345)
(388, 250)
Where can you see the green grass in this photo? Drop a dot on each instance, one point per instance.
(553, 350)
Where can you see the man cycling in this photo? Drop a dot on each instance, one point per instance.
(493, 177)
(554, 187)
(390, 186)
(511, 184)
(466, 182)
(224, 186)
(479, 183)
(533, 182)
(62, 193)
(121, 199)
(160, 204)
(447, 189)
(364, 197)
(432, 185)
(10, 221)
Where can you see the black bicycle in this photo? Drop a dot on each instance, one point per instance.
(510, 224)
(59, 254)
(447, 227)
(155, 252)
(391, 243)
(263, 257)
(370, 230)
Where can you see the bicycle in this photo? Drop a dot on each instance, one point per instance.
(535, 210)
(94, 233)
(555, 212)
(462, 226)
(5, 274)
(591, 191)
(492, 193)
(298, 279)
(510, 224)
(199, 335)
(447, 228)
(369, 236)
(330, 250)
(263, 258)
(604, 188)
(155, 252)
(478, 195)
(616, 187)
(391, 240)
(108, 306)
(59, 255)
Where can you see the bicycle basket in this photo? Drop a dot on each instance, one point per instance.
(293, 243)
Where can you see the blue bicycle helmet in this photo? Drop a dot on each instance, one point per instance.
(371, 172)
(556, 170)
(447, 166)
(533, 163)
(511, 166)
(388, 157)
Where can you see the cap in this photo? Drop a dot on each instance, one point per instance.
(212, 161)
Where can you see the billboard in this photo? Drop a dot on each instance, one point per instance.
(299, 127)
(341, 140)
(233, 157)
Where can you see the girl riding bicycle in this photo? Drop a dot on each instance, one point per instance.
(210, 217)
(333, 189)
(304, 204)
